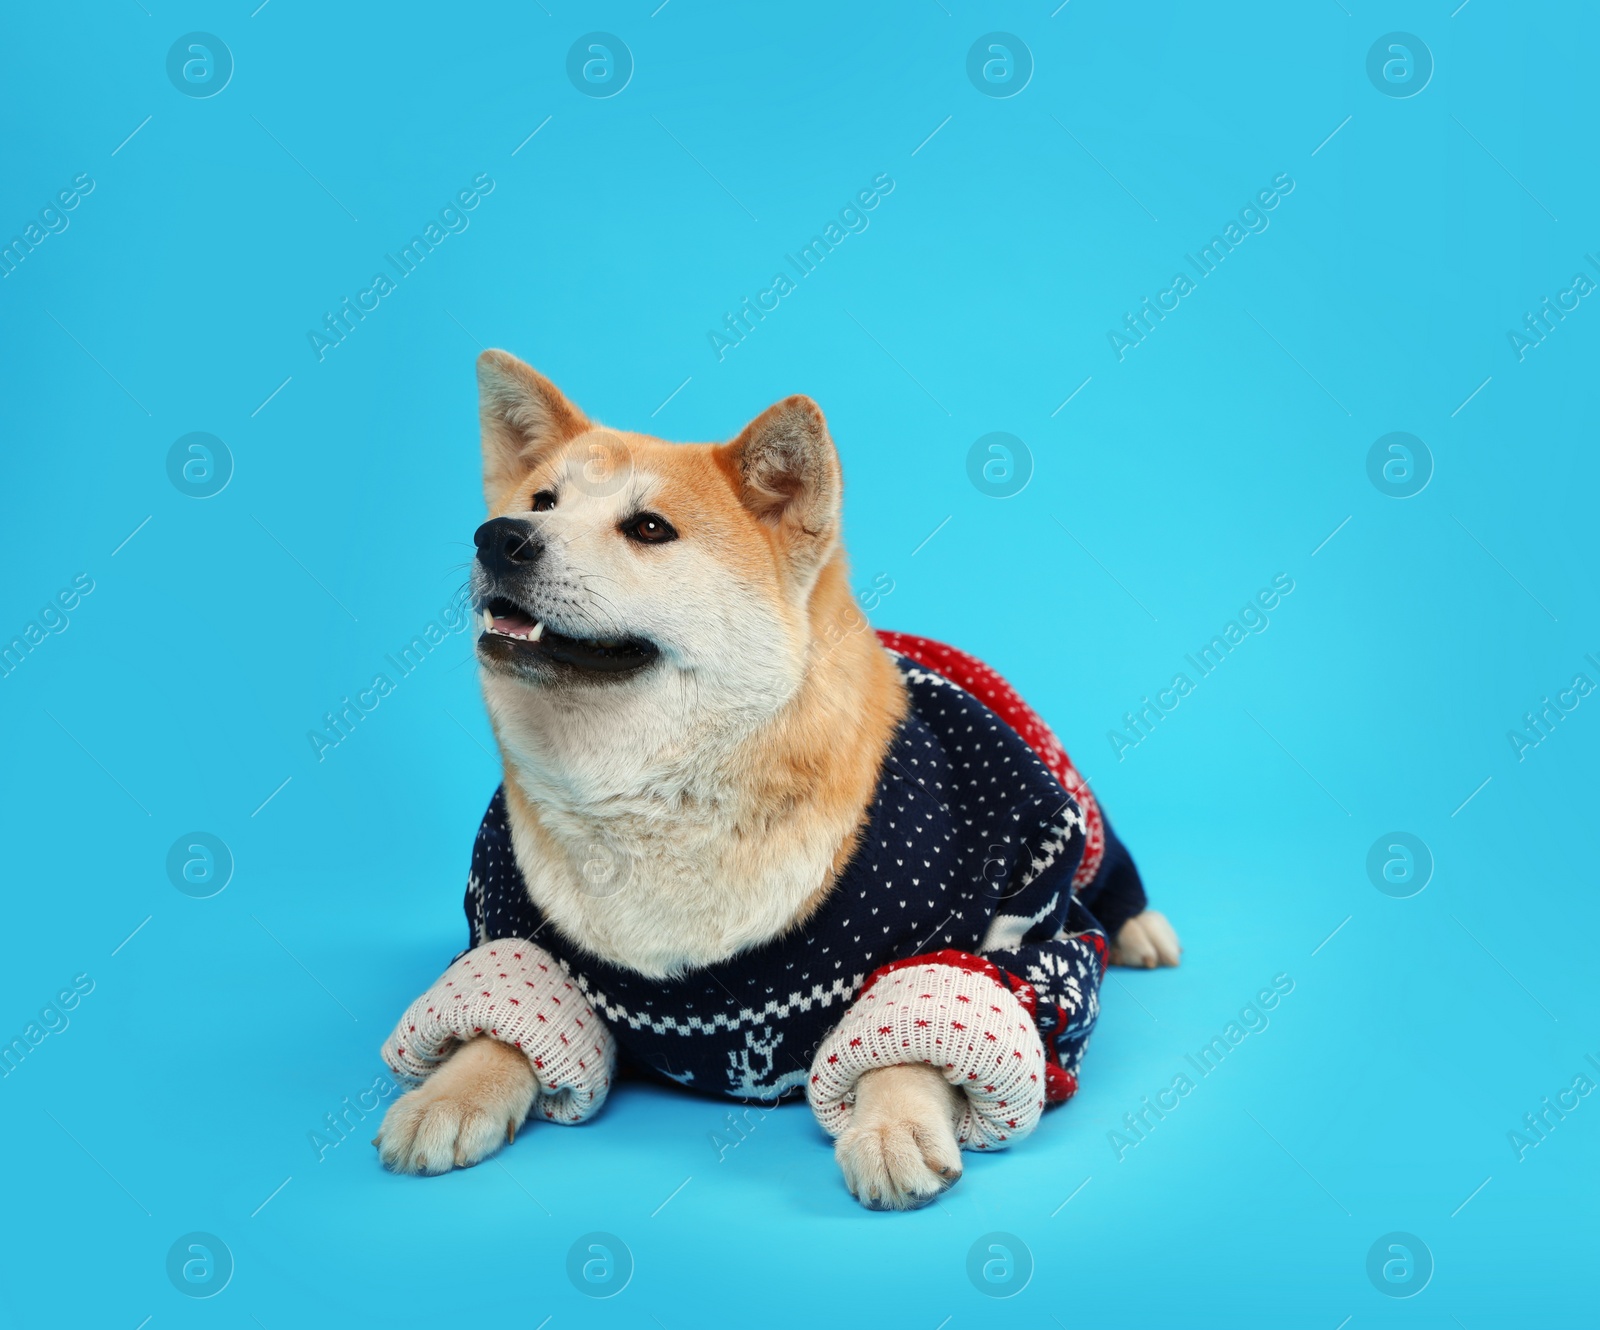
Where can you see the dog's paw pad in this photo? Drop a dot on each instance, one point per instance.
(1146, 941)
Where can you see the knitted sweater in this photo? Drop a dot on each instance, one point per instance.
(959, 934)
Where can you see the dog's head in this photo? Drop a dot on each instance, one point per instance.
(616, 566)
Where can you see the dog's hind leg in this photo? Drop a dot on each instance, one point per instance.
(1146, 941)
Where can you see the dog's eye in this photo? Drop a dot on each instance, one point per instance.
(649, 529)
(543, 501)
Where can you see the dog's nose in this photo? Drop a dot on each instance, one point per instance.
(506, 545)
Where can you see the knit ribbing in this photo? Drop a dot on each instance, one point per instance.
(517, 993)
(956, 1013)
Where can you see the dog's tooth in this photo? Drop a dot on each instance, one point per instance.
(538, 631)
(488, 621)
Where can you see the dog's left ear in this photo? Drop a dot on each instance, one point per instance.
(785, 471)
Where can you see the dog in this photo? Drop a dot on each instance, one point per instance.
(710, 763)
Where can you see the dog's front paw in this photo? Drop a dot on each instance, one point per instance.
(1146, 941)
(460, 1115)
(900, 1150)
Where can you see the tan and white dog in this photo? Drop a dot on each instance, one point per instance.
(680, 680)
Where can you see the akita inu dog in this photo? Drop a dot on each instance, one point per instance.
(741, 837)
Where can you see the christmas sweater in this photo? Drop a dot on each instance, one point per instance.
(967, 931)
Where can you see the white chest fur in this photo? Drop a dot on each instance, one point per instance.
(676, 864)
(656, 896)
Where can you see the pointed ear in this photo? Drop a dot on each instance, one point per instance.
(786, 472)
(523, 414)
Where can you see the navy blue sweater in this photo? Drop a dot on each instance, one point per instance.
(970, 845)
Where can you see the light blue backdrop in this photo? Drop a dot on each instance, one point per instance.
(1169, 478)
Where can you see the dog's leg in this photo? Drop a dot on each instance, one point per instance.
(1146, 941)
(900, 1150)
(462, 1113)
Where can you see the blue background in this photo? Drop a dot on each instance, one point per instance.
(1177, 481)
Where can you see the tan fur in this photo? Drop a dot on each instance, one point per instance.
(900, 1151)
(461, 1114)
(1146, 941)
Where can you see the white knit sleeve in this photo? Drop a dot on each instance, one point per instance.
(517, 993)
(954, 1012)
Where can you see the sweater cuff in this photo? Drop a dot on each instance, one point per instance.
(952, 1011)
(517, 993)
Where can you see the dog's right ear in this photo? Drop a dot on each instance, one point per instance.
(523, 415)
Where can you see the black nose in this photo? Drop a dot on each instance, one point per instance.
(506, 545)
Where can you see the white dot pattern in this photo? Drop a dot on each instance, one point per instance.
(966, 824)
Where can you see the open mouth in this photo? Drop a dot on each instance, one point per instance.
(513, 635)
